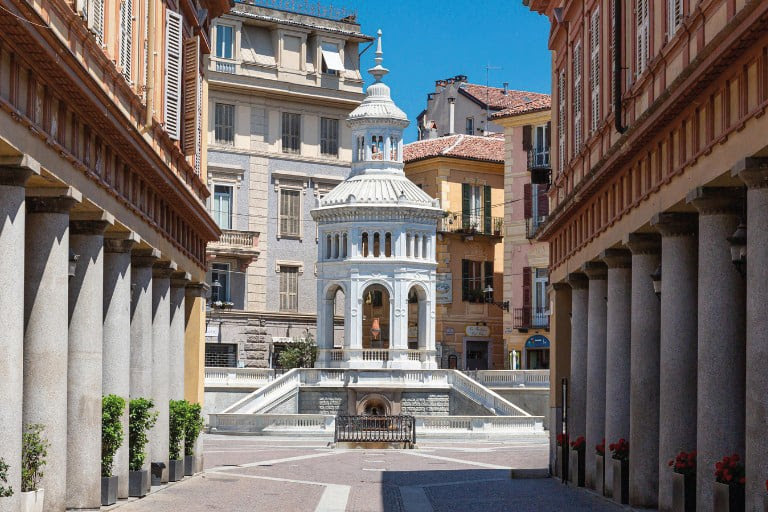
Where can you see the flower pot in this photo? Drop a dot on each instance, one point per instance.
(157, 469)
(189, 465)
(176, 470)
(32, 501)
(683, 492)
(599, 480)
(576, 467)
(108, 490)
(138, 483)
(620, 481)
(728, 498)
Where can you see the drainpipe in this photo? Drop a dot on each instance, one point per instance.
(617, 66)
(451, 115)
(150, 85)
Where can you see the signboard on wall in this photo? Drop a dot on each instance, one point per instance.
(537, 341)
(443, 288)
(212, 330)
(478, 330)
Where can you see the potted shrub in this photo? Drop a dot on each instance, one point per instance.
(177, 422)
(192, 428)
(729, 485)
(140, 420)
(578, 461)
(562, 449)
(599, 478)
(112, 436)
(34, 450)
(684, 482)
(6, 491)
(620, 461)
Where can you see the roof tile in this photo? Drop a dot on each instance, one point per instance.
(470, 147)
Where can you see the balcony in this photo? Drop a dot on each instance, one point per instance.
(533, 225)
(530, 318)
(539, 166)
(235, 243)
(470, 225)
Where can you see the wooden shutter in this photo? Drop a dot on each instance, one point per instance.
(527, 138)
(487, 209)
(527, 201)
(126, 37)
(548, 136)
(465, 279)
(562, 105)
(95, 18)
(594, 69)
(191, 86)
(527, 295)
(577, 96)
(173, 48)
(465, 205)
(542, 203)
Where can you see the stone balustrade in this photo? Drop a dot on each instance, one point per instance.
(238, 377)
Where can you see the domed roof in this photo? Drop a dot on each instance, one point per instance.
(378, 189)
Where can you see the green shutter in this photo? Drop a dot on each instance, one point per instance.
(487, 210)
(465, 192)
(465, 279)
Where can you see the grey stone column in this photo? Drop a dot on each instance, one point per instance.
(141, 328)
(86, 304)
(176, 339)
(577, 412)
(677, 342)
(644, 363)
(722, 309)
(116, 349)
(617, 351)
(754, 172)
(13, 175)
(46, 267)
(596, 332)
(161, 322)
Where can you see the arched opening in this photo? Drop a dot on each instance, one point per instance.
(336, 247)
(328, 247)
(417, 318)
(417, 246)
(388, 245)
(375, 319)
(374, 405)
(393, 148)
(424, 245)
(408, 245)
(376, 245)
(344, 248)
(335, 319)
(364, 245)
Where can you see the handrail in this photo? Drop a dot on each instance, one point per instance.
(484, 396)
(268, 394)
(237, 377)
(513, 378)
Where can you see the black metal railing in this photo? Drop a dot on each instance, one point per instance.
(456, 222)
(530, 318)
(375, 429)
(532, 226)
(538, 159)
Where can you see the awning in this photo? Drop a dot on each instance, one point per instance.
(331, 57)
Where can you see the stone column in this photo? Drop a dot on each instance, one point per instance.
(617, 351)
(596, 332)
(577, 411)
(176, 339)
(116, 350)
(13, 175)
(194, 341)
(722, 309)
(161, 321)
(141, 328)
(677, 342)
(86, 317)
(559, 362)
(644, 362)
(46, 266)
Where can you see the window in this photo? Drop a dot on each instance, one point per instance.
(289, 288)
(577, 97)
(290, 212)
(224, 41)
(291, 133)
(332, 64)
(470, 126)
(562, 105)
(540, 304)
(360, 148)
(329, 136)
(674, 16)
(291, 56)
(224, 124)
(393, 146)
(222, 206)
(126, 37)
(173, 49)
(641, 45)
(476, 207)
(221, 355)
(377, 147)
(220, 273)
(93, 12)
(594, 70)
(475, 277)
(541, 144)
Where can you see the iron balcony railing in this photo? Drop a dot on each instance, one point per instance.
(375, 429)
(532, 226)
(539, 167)
(530, 318)
(456, 222)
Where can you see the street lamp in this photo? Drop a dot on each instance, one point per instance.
(656, 277)
(738, 243)
(489, 299)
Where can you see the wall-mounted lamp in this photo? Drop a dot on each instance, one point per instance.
(738, 243)
(489, 299)
(656, 278)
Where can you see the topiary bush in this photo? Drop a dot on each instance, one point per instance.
(140, 420)
(34, 450)
(112, 435)
(192, 427)
(177, 427)
(4, 491)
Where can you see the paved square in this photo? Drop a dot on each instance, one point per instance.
(277, 474)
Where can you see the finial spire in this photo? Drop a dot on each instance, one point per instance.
(378, 71)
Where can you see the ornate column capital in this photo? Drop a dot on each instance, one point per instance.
(617, 258)
(578, 280)
(16, 170)
(595, 270)
(752, 171)
(643, 243)
(676, 223)
(716, 200)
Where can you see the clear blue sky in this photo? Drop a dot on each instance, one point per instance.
(426, 40)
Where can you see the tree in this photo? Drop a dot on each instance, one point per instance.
(300, 354)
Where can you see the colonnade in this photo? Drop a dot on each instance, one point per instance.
(684, 370)
(98, 315)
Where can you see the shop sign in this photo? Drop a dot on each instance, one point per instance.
(537, 341)
(212, 331)
(478, 330)
(443, 288)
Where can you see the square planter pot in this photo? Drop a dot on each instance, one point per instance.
(683, 493)
(32, 501)
(176, 470)
(189, 465)
(600, 474)
(728, 498)
(620, 481)
(576, 467)
(108, 490)
(138, 483)
(157, 473)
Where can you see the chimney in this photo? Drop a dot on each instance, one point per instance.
(451, 115)
(506, 84)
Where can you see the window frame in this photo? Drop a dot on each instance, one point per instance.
(469, 126)
(298, 191)
(329, 146)
(216, 213)
(289, 297)
(218, 41)
(290, 142)
(218, 125)
(226, 288)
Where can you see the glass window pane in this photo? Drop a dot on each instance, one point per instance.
(224, 41)
(222, 206)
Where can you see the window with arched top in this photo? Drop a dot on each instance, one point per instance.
(388, 245)
(360, 148)
(393, 148)
(424, 241)
(377, 147)
(417, 246)
(328, 247)
(408, 245)
(376, 245)
(364, 244)
(336, 251)
(344, 248)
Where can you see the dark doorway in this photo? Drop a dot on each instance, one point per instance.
(537, 359)
(477, 355)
